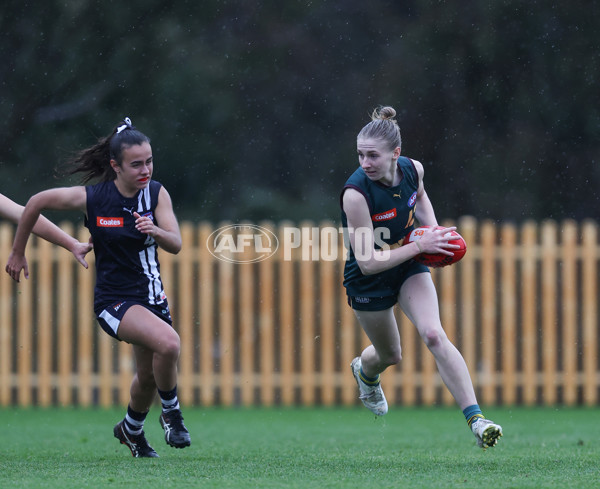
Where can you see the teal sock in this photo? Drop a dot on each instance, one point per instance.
(472, 413)
(369, 380)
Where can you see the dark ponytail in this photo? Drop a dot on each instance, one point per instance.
(94, 162)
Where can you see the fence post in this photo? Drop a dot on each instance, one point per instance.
(549, 311)
(225, 340)
(508, 291)
(65, 317)
(44, 294)
(487, 382)
(590, 312)
(6, 334)
(307, 317)
(467, 228)
(86, 329)
(266, 326)
(348, 333)
(247, 339)
(288, 306)
(206, 378)
(326, 301)
(529, 307)
(25, 327)
(184, 315)
(568, 281)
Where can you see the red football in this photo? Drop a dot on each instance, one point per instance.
(437, 260)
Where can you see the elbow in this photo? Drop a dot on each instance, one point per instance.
(367, 267)
(34, 204)
(169, 243)
(175, 249)
(177, 246)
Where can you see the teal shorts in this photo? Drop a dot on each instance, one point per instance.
(372, 303)
(381, 303)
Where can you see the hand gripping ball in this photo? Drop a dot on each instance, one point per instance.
(437, 260)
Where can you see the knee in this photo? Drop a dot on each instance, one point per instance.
(434, 338)
(170, 345)
(393, 357)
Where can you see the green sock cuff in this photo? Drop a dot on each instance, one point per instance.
(472, 413)
(369, 380)
(473, 418)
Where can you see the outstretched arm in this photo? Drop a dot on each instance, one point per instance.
(30, 220)
(43, 227)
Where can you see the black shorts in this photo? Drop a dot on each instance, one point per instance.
(110, 317)
(381, 303)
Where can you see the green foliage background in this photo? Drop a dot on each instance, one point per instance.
(253, 107)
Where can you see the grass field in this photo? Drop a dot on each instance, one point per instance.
(304, 448)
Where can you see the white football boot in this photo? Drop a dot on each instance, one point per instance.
(371, 395)
(486, 432)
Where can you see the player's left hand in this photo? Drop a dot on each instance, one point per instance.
(435, 240)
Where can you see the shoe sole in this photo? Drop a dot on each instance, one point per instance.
(178, 445)
(491, 435)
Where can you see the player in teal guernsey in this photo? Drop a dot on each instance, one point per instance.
(380, 203)
(392, 213)
(129, 217)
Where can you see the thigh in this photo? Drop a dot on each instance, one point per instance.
(381, 328)
(142, 328)
(418, 299)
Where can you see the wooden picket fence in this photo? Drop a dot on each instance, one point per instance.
(522, 307)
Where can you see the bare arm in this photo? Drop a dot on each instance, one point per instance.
(166, 233)
(10, 210)
(59, 198)
(424, 208)
(43, 227)
(373, 261)
(362, 238)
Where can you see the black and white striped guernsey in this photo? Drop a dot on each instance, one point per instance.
(127, 266)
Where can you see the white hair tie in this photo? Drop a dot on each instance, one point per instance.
(127, 124)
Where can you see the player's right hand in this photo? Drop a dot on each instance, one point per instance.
(79, 251)
(15, 264)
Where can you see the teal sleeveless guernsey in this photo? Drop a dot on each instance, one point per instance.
(392, 211)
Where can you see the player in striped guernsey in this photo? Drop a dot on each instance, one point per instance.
(380, 202)
(129, 216)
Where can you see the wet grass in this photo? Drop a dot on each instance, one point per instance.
(303, 448)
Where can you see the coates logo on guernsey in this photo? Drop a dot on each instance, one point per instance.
(109, 222)
(385, 216)
(242, 243)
